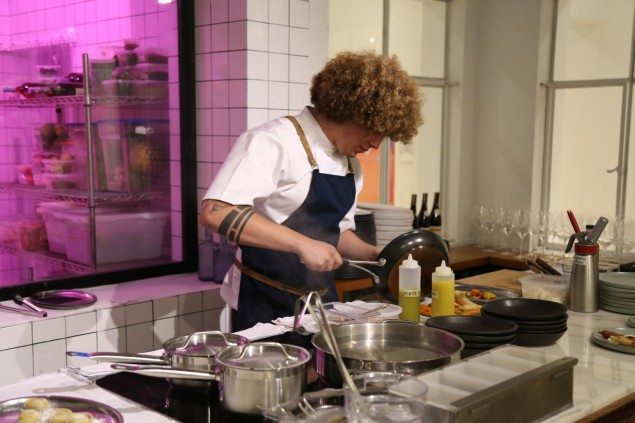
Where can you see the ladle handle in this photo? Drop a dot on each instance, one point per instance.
(118, 358)
(166, 371)
(379, 262)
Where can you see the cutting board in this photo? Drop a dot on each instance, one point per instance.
(504, 279)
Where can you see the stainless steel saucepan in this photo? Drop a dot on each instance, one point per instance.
(251, 378)
(196, 351)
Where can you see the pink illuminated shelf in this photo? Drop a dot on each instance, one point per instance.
(78, 100)
(78, 196)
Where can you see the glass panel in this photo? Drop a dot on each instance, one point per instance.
(585, 145)
(593, 41)
(355, 25)
(417, 36)
(417, 166)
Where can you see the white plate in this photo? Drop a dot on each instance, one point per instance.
(388, 311)
(631, 321)
(614, 309)
(623, 280)
(599, 339)
(377, 206)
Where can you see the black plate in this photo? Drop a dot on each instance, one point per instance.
(525, 309)
(550, 329)
(473, 325)
(63, 299)
(500, 293)
(537, 340)
(493, 340)
(483, 347)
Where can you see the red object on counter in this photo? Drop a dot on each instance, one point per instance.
(573, 221)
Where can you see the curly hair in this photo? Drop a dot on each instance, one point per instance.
(370, 90)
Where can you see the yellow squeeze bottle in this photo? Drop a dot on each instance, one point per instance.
(442, 291)
(409, 289)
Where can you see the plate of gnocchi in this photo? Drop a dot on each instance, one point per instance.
(57, 409)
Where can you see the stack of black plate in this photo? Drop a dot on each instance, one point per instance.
(479, 333)
(540, 322)
(365, 229)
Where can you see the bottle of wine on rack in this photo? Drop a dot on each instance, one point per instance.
(413, 207)
(423, 220)
(435, 214)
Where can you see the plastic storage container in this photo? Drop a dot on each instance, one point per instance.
(546, 287)
(120, 236)
(32, 234)
(54, 223)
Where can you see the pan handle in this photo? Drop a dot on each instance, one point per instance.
(165, 371)
(114, 357)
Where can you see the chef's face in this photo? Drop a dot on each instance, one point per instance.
(354, 139)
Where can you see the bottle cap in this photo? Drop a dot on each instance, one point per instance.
(443, 270)
(409, 263)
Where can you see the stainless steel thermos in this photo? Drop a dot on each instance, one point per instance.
(584, 278)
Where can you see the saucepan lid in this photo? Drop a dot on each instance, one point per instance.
(264, 356)
(202, 344)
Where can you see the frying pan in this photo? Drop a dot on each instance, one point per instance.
(196, 351)
(426, 247)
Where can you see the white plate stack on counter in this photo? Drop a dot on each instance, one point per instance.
(390, 221)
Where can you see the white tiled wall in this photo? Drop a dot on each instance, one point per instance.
(40, 346)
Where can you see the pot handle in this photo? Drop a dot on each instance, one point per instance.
(114, 357)
(165, 371)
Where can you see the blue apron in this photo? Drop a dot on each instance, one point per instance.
(329, 198)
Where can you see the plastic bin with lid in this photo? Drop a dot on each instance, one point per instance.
(120, 235)
(54, 223)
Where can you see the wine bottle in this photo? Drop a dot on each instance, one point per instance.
(423, 220)
(435, 214)
(413, 207)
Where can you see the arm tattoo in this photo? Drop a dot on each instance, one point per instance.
(233, 224)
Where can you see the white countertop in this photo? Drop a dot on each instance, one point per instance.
(601, 376)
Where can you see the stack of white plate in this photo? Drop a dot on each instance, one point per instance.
(617, 292)
(390, 221)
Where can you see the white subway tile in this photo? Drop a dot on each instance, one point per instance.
(15, 336)
(220, 93)
(169, 306)
(78, 324)
(85, 343)
(237, 93)
(164, 329)
(212, 299)
(204, 94)
(204, 174)
(139, 338)
(278, 95)
(257, 65)
(278, 39)
(256, 117)
(203, 65)
(257, 93)
(237, 10)
(112, 340)
(299, 41)
(202, 12)
(237, 38)
(138, 313)
(190, 323)
(237, 121)
(204, 121)
(110, 318)
(279, 12)
(237, 65)
(49, 356)
(202, 39)
(299, 13)
(220, 147)
(49, 329)
(278, 67)
(219, 34)
(257, 35)
(16, 364)
(220, 123)
(257, 10)
(220, 65)
(211, 319)
(220, 11)
(299, 69)
(298, 96)
(190, 303)
(277, 113)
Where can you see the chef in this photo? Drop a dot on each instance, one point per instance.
(286, 194)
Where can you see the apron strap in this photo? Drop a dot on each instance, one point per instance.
(305, 144)
(272, 282)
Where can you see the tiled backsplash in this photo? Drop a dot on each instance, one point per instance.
(39, 346)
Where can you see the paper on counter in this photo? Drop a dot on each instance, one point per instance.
(263, 330)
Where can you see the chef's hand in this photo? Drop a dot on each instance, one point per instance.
(319, 256)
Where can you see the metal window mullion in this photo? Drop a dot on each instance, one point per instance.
(627, 107)
(384, 148)
(548, 148)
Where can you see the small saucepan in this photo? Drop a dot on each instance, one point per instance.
(426, 247)
(251, 378)
(196, 351)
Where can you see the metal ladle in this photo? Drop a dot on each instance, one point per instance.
(376, 281)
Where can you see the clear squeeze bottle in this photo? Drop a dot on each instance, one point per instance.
(442, 291)
(409, 289)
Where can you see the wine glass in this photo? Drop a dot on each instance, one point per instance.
(543, 227)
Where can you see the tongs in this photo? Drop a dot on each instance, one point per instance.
(25, 302)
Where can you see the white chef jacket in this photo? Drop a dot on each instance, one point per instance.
(268, 169)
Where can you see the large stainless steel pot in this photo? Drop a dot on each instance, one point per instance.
(251, 378)
(196, 351)
(394, 346)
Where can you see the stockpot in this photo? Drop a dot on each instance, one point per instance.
(391, 346)
(196, 352)
(251, 378)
